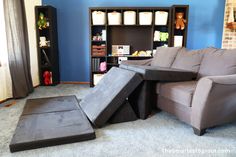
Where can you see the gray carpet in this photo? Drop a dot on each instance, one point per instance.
(160, 135)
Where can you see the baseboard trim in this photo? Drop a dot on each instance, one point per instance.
(71, 82)
(2, 101)
(36, 86)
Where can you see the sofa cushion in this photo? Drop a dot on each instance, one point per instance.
(180, 92)
(188, 60)
(165, 56)
(218, 62)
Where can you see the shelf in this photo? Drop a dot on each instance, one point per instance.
(139, 56)
(46, 47)
(54, 84)
(122, 25)
(98, 56)
(99, 72)
(112, 64)
(161, 25)
(98, 41)
(47, 28)
(139, 37)
(160, 41)
(45, 66)
(131, 56)
(129, 25)
(231, 25)
(98, 25)
(48, 58)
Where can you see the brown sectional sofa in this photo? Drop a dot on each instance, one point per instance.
(209, 100)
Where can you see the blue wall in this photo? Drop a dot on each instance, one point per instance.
(205, 29)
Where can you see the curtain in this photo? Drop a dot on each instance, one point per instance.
(5, 78)
(18, 47)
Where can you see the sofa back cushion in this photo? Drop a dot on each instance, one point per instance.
(188, 60)
(165, 56)
(218, 62)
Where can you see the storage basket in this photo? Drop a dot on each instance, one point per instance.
(178, 41)
(97, 78)
(145, 18)
(99, 18)
(114, 18)
(161, 18)
(129, 18)
(98, 50)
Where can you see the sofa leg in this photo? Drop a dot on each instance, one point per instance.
(199, 132)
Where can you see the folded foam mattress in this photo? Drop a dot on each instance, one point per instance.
(51, 121)
(109, 94)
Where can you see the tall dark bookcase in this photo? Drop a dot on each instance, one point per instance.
(179, 32)
(48, 55)
(139, 37)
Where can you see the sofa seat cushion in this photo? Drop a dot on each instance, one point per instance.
(188, 60)
(180, 92)
(218, 62)
(165, 56)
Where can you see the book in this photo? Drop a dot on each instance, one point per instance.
(46, 58)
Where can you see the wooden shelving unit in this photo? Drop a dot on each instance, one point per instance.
(48, 57)
(179, 32)
(139, 37)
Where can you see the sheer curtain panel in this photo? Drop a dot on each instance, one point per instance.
(5, 78)
(18, 47)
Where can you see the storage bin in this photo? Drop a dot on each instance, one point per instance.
(120, 50)
(161, 17)
(129, 18)
(178, 41)
(157, 36)
(97, 78)
(99, 18)
(98, 50)
(145, 18)
(114, 18)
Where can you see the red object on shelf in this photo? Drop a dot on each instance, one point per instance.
(47, 75)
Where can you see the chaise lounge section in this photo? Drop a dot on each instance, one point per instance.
(208, 101)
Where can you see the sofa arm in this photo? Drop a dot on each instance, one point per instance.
(137, 62)
(214, 101)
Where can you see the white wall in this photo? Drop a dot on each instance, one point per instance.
(30, 15)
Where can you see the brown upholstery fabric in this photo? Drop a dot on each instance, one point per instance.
(180, 92)
(49, 122)
(179, 110)
(214, 101)
(109, 94)
(188, 60)
(165, 56)
(218, 62)
(137, 62)
(156, 73)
